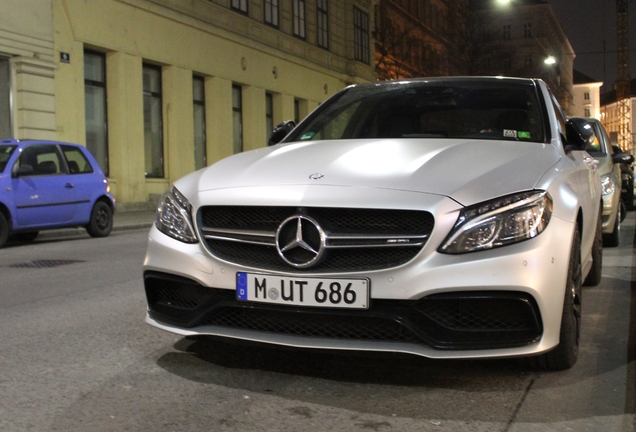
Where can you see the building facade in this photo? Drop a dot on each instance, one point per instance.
(614, 121)
(418, 38)
(586, 96)
(158, 88)
(515, 40)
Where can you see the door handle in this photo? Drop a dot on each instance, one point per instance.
(69, 186)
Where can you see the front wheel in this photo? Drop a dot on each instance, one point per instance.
(594, 276)
(4, 230)
(613, 239)
(566, 353)
(101, 223)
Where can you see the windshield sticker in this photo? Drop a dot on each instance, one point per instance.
(509, 133)
(523, 134)
(307, 136)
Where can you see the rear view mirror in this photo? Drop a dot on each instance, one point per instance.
(281, 132)
(580, 134)
(23, 170)
(622, 158)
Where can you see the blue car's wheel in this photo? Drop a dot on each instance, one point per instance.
(101, 222)
(4, 230)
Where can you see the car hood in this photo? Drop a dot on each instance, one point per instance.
(468, 171)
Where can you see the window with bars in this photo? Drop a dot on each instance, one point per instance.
(5, 98)
(361, 35)
(322, 21)
(271, 12)
(240, 6)
(269, 114)
(153, 122)
(198, 100)
(527, 30)
(95, 110)
(298, 10)
(507, 28)
(237, 117)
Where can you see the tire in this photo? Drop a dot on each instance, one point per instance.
(629, 194)
(101, 223)
(26, 236)
(566, 353)
(623, 211)
(594, 276)
(613, 239)
(4, 230)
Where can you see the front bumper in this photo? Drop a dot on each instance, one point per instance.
(476, 296)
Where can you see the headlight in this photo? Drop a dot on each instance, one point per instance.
(607, 185)
(500, 222)
(174, 216)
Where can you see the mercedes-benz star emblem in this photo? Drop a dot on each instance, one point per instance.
(300, 241)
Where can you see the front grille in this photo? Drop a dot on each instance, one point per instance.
(461, 320)
(356, 239)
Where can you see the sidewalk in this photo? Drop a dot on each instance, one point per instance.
(121, 221)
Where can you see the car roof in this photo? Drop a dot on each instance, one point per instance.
(450, 79)
(34, 141)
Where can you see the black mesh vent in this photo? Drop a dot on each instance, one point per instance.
(463, 320)
(312, 325)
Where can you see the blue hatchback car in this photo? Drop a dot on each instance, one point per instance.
(48, 184)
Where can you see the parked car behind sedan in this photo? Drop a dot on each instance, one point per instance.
(442, 217)
(49, 184)
(609, 168)
(628, 189)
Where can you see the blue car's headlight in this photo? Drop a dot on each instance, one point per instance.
(499, 222)
(174, 217)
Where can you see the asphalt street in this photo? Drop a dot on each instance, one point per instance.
(76, 355)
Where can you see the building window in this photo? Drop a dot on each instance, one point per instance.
(298, 7)
(237, 117)
(586, 96)
(323, 24)
(153, 122)
(296, 111)
(527, 60)
(587, 112)
(506, 31)
(527, 30)
(5, 99)
(240, 5)
(271, 12)
(361, 35)
(95, 107)
(198, 96)
(269, 114)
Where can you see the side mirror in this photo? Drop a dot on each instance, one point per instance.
(622, 158)
(281, 132)
(24, 170)
(580, 134)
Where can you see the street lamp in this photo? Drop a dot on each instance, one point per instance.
(550, 60)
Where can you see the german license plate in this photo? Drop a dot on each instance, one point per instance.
(316, 292)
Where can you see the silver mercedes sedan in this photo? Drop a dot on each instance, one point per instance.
(446, 218)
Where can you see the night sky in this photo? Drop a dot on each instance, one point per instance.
(587, 24)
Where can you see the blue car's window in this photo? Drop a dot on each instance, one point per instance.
(429, 109)
(43, 159)
(76, 161)
(5, 154)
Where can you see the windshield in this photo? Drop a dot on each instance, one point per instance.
(5, 154)
(486, 109)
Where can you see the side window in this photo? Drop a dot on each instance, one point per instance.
(76, 161)
(43, 159)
